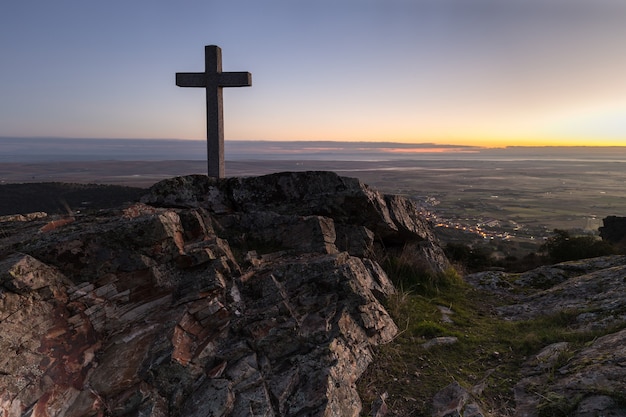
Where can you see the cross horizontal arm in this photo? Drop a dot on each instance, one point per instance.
(235, 79)
(191, 79)
(224, 79)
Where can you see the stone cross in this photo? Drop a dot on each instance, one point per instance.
(213, 79)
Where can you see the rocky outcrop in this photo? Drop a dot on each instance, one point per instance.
(594, 287)
(262, 296)
(613, 229)
(358, 212)
(584, 382)
(565, 378)
(235, 297)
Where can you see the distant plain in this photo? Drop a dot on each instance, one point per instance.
(527, 191)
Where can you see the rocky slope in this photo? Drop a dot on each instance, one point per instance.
(262, 296)
(237, 297)
(567, 378)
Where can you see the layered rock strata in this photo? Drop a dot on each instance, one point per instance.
(235, 297)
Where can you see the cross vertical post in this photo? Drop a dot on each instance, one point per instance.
(213, 80)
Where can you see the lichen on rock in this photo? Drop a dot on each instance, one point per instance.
(235, 297)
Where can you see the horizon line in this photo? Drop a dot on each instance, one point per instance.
(369, 143)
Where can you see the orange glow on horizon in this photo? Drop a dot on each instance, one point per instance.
(457, 144)
(504, 141)
(427, 150)
(472, 138)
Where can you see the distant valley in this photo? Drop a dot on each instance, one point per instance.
(509, 199)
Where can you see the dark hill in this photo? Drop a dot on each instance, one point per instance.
(57, 198)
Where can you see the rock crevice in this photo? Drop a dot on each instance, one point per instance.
(237, 297)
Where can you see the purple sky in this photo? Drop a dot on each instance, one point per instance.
(483, 72)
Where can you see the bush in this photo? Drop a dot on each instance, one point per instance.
(473, 259)
(562, 247)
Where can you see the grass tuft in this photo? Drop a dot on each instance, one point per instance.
(429, 329)
(489, 353)
(408, 271)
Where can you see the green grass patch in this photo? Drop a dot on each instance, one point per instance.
(410, 273)
(489, 353)
(428, 328)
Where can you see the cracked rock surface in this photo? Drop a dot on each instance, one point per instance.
(578, 381)
(233, 297)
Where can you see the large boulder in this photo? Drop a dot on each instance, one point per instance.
(353, 207)
(218, 301)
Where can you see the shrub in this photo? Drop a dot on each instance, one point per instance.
(474, 259)
(562, 247)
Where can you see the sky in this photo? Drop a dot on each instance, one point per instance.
(466, 72)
